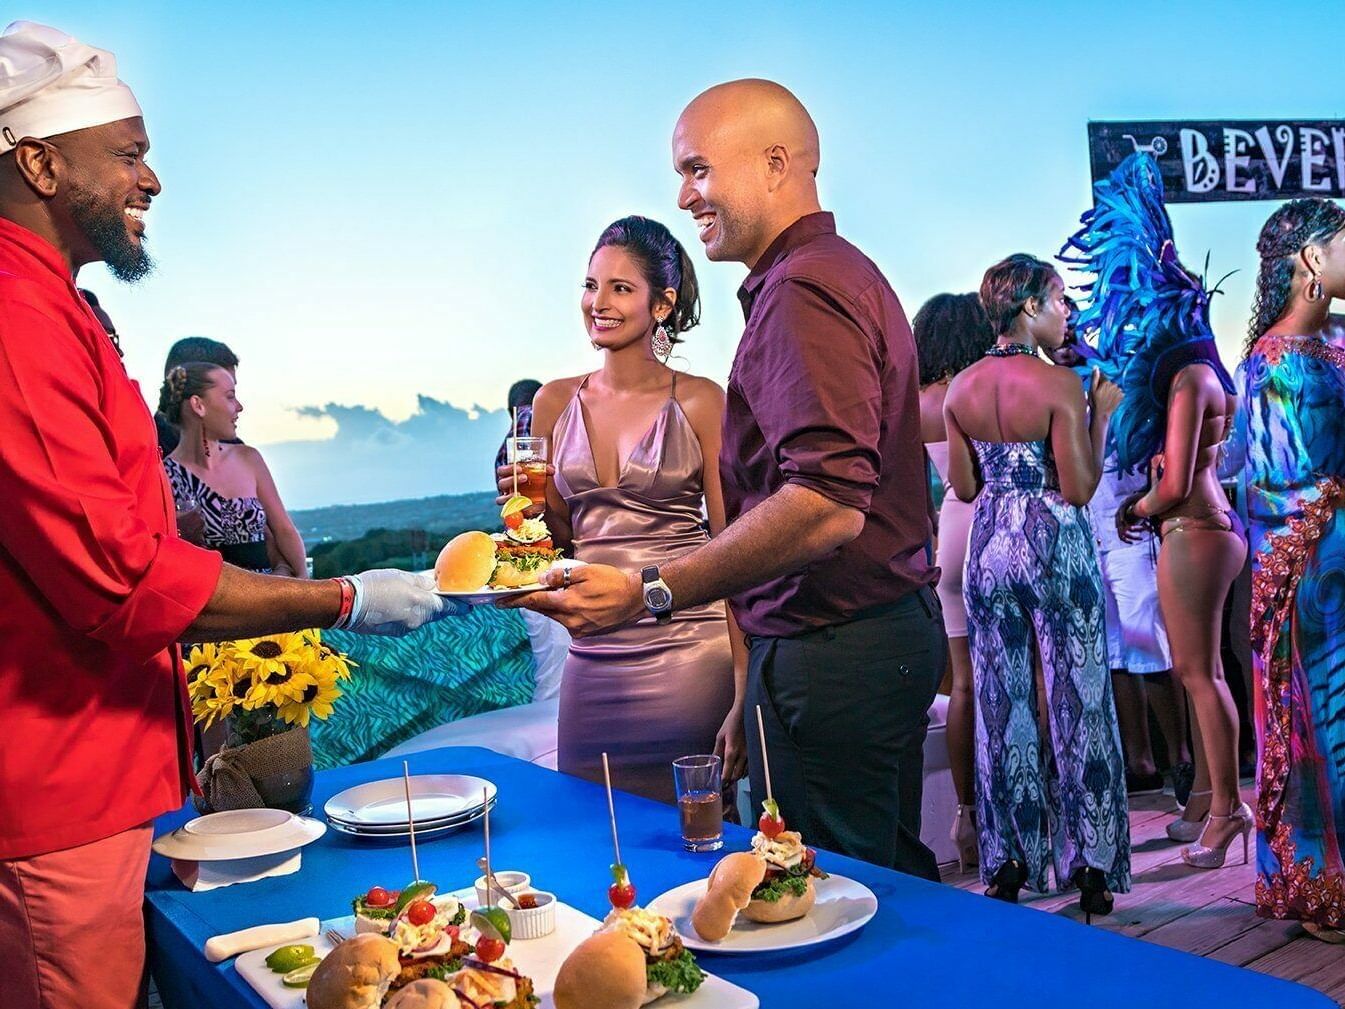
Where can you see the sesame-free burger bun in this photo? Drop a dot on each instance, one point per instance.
(727, 892)
(466, 562)
(427, 993)
(605, 971)
(355, 975)
(787, 908)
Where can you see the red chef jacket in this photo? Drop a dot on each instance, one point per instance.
(95, 586)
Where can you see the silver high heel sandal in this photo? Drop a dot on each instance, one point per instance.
(963, 835)
(1203, 857)
(1185, 830)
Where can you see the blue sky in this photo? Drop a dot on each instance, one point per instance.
(373, 203)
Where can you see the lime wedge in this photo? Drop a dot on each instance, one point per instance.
(288, 958)
(493, 923)
(300, 977)
(415, 891)
(517, 503)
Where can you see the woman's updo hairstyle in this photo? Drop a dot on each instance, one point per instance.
(951, 333)
(1007, 286)
(664, 264)
(1295, 225)
(182, 383)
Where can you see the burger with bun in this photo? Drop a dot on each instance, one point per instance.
(787, 891)
(466, 563)
(355, 975)
(727, 893)
(637, 955)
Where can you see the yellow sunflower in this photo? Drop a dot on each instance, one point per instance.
(270, 664)
(215, 695)
(319, 694)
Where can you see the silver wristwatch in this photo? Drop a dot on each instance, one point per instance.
(658, 598)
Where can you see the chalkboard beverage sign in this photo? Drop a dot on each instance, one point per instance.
(1237, 159)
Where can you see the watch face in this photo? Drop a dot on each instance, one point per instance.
(658, 598)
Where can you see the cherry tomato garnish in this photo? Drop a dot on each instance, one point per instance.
(622, 896)
(513, 520)
(489, 950)
(771, 826)
(378, 897)
(420, 912)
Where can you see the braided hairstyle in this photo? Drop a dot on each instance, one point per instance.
(182, 382)
(664, 263)
(1295, 225)
(951, 332)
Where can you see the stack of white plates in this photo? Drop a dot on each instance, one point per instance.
(440, 804)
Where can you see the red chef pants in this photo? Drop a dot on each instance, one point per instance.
(72, 931)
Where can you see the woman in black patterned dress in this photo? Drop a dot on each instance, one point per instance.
(227, 481)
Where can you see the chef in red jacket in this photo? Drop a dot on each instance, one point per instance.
(96, 589)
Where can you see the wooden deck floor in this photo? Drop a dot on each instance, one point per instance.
(1205, 912)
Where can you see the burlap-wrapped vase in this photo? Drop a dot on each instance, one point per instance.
(275, 773)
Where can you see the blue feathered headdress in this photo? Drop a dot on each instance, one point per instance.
(1150, 316)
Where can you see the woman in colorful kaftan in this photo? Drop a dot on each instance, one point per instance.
(1295, 389)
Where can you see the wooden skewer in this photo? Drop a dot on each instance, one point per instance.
(410, 819)
(611, 809)
(514, 454)
(765, 760)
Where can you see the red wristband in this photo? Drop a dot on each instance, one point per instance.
(347, 601)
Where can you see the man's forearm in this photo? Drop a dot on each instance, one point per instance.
(790, 529)
(247, 605)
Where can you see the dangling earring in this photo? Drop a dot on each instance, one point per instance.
(205, 443)
(1314, 291)
(661, 342)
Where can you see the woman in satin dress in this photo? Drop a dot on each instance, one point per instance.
(635, 449)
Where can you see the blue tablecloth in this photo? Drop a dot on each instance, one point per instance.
(929, 946)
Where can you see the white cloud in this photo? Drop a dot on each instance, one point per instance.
(439, 449)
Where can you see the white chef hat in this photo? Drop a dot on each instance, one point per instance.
(51, 83)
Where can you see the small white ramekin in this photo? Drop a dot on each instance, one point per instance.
(533, 922)
(513, 882)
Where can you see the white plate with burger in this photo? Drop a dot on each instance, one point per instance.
(479, 568)
(840, 907)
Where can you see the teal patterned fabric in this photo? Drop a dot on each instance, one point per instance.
(403, 686)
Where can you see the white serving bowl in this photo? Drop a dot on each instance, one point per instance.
(533, 922)
(511, 881)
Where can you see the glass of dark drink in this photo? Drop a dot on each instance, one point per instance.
(700, 801)
(528, 453)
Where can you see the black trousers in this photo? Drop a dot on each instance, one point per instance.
(846, 710)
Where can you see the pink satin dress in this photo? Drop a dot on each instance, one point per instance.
(645, 694)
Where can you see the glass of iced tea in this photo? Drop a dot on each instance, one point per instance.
(700, 801)
(528, 453)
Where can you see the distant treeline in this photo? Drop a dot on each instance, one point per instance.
(444, 513)
(396, 534)
(408, 549)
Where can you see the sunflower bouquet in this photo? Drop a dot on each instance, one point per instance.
(261, 685)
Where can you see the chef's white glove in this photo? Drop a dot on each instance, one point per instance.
(392, 602)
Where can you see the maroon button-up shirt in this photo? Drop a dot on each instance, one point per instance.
(824, 394)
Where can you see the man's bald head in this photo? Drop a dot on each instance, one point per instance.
(761, 114)
(748, 154)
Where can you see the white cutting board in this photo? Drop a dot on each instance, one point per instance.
(539, 959)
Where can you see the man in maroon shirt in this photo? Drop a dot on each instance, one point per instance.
(824, 483)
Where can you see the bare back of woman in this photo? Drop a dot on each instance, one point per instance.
(1023, 448)
(1202, 551)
